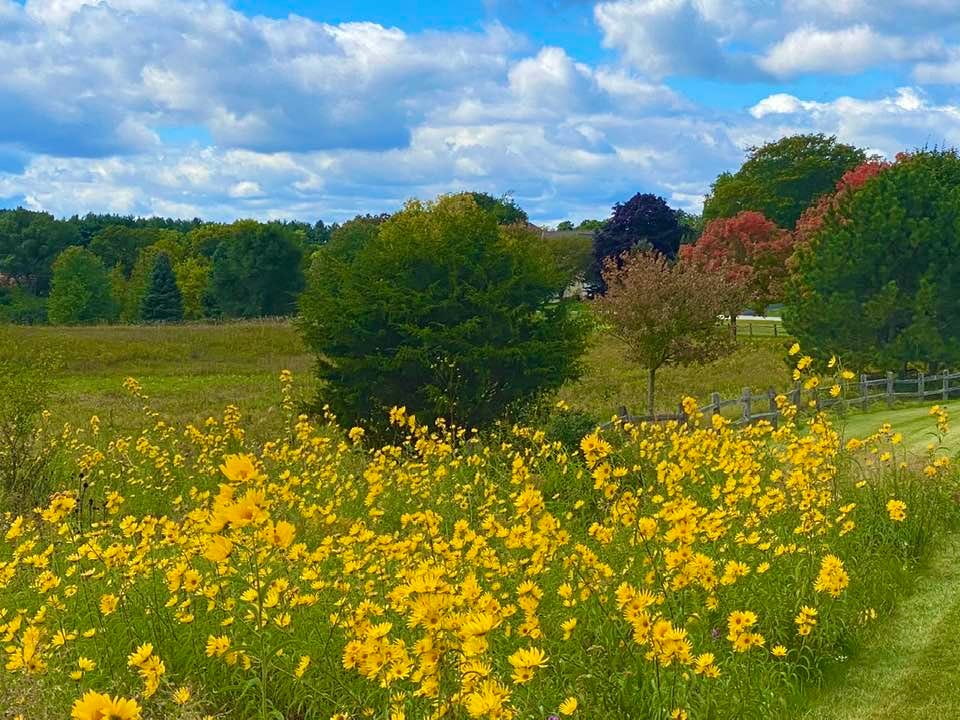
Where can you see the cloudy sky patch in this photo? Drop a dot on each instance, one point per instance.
(270, 109)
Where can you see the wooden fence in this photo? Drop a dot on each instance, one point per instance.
(860, 393)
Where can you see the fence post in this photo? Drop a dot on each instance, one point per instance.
(864, 390)
(796, 394)
(889, 388)
(715, 400)
(746, 406)
(946, 386)
(774, 329)
(681, 414)
(750, 325)
(623, 414)
(921, 386)
(774, 408)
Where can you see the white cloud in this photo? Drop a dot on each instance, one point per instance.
(901, 121)
(662, 37)
(847, 51)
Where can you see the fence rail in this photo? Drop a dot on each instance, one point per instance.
(859, 392)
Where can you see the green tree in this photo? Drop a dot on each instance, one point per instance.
(162, 301)
(504, 208)
(193, 279)
(80, 289)
(29, 243)
(781, 179)
(257, 270)
(119, 244)
(443, 312)
(878, 283)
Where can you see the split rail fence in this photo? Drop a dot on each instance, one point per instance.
(860, 393)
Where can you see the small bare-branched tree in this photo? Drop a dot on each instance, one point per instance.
(665, 313)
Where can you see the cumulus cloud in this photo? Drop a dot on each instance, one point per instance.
(191, 108)
(97, 76)
(903, 120)
(664, 37)
(850, 50)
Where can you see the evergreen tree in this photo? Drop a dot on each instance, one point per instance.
(163, 300)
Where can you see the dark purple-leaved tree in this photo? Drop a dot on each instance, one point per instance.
(644, 222)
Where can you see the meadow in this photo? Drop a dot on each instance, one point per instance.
(189, 370)
(212, 552)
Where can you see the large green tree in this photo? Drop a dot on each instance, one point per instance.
(504, 208)
(162, 301)
(257, 270)
(443, 311)
(80, 289)
(781, 179)
(878, 282)
(29, 243)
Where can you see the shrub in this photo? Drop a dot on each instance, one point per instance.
(879, 280)
(442, 311)
(21, 307)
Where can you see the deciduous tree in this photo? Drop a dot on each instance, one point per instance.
(80, 289)
(750, 252)
(783, 178)
(644, 222)
(665, 313)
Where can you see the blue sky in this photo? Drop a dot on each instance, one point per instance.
(268, 109)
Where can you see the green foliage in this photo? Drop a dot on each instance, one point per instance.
(80, 289)
(781, 179)
(257, 270)
(573, 252)
(193, 279)
(504, 208)
(443, 312)
(879, 283)
(25, 387)
(29, 242)
(21, 307)
(162, 301)
(121, 245)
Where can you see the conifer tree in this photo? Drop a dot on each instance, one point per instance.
(162, 301)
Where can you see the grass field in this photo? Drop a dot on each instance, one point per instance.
(190, 371)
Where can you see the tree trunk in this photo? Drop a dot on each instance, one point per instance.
(651, 379)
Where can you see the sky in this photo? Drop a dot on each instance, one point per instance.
(226, 109)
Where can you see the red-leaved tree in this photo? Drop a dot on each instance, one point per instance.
(750, 252)
(813, 217)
